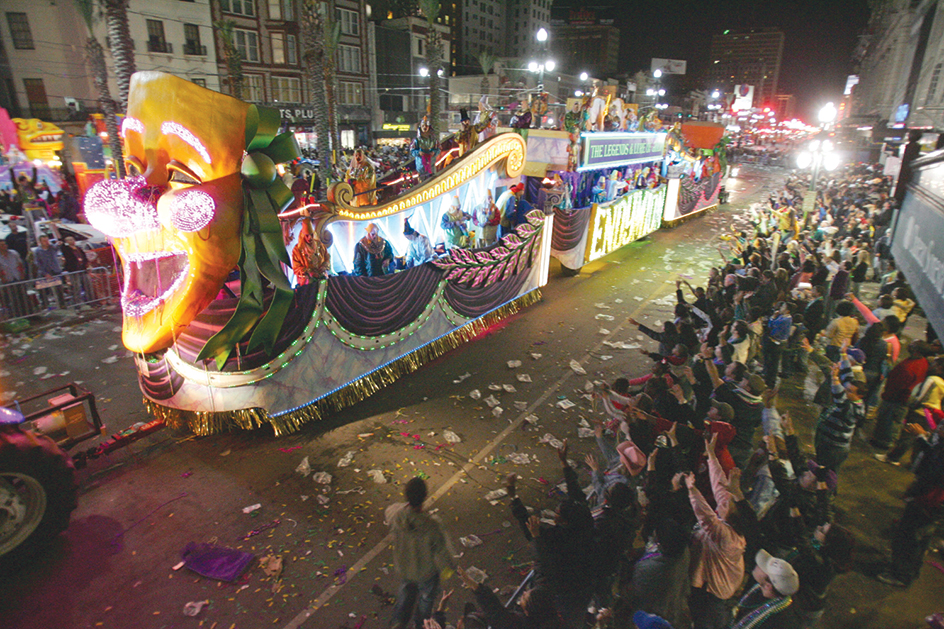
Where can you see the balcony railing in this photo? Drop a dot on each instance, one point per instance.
(194, 48)
(157, 45)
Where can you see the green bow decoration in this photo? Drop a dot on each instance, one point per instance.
(264, 196)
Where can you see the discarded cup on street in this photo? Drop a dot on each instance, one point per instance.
(194, 607)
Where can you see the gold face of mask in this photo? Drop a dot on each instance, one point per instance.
(175, 221)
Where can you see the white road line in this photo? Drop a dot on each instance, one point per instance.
(382, 545)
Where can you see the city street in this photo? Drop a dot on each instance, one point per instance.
(117, 565)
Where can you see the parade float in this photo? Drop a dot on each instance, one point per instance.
(28, 146)
(217, 349)
(694, 167)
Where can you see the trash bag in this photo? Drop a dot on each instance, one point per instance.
(216, 562)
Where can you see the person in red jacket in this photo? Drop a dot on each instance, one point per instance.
(898, 385)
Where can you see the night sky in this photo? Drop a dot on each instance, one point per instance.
(820, 37)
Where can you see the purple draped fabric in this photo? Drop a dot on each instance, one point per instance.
(371, 306)
(218, 313)
(475, 302)
(569, 228)
(694, 195)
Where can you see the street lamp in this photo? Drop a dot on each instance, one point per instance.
(545, 64)
(827, 114)
(820, 154)
(657, 74)
(424, 72)
(584, 77)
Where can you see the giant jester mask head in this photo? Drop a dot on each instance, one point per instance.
(176, 221)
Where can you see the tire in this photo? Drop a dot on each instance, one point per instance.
(37, 493)
(569, 272)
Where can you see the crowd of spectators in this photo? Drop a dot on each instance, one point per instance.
(705, 509)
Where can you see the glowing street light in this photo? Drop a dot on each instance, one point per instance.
(584, 76)
(827, 114)
(657, 74)
(542, 35)
(424, 72)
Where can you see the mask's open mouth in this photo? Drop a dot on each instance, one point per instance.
(150, 279)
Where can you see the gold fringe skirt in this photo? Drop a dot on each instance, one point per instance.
(209, 422)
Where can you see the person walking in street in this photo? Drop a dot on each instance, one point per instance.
(421, 552)
(48, 271)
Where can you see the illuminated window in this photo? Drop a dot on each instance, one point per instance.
(284, 49)
(281, 10)
(286, 89)
(252, 88)
(352, 93)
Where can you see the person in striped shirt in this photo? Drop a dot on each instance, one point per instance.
(837, 424)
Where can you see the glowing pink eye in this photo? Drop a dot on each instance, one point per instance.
(121, 208)
(192, 211)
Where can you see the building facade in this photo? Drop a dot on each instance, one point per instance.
(266, 34)
(585, 39)
(747, 58)
(44, 45)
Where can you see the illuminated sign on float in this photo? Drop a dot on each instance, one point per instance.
(389, 126)
(629, 218)
(508, 146)
(611, 150)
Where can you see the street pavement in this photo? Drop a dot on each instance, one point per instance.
(140, 507)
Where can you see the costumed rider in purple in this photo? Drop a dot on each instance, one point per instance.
(373, 255)
(420, 250)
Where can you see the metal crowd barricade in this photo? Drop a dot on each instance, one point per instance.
(88, 288)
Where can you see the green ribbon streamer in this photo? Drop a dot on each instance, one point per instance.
(264, 196)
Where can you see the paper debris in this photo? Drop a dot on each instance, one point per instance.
(551, 440)
(475, 394)
(605, 357)
(346, 460)
(523, 377)
(377, 476)
(532, 419)
(355, 490)
(604, 332)
(451, 437)
(110, 360)
(519, 458)
(583, 433)
(536, 356)
(322, 499)
(252, 508)
(521, 405)
(577, 367)
(38, 371)
(565, 404)
(588, 386)
(491, 401)
(509, 388)
(322, 478)
(618, 301)
(584, 423)
(496, 494)
(304, 468)
(638, 298)
(494, 387)
(497, 411)
(461, 378)
(514, 364)
(605, 317)
(475, 574)
(470, 541)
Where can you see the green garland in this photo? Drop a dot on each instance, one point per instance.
(262, 248)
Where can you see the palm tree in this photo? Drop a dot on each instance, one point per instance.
(487, 63)
(234, 60)
(332, 37)
(314, 54)
(121, 45)
(430, 9)
(95, 58)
